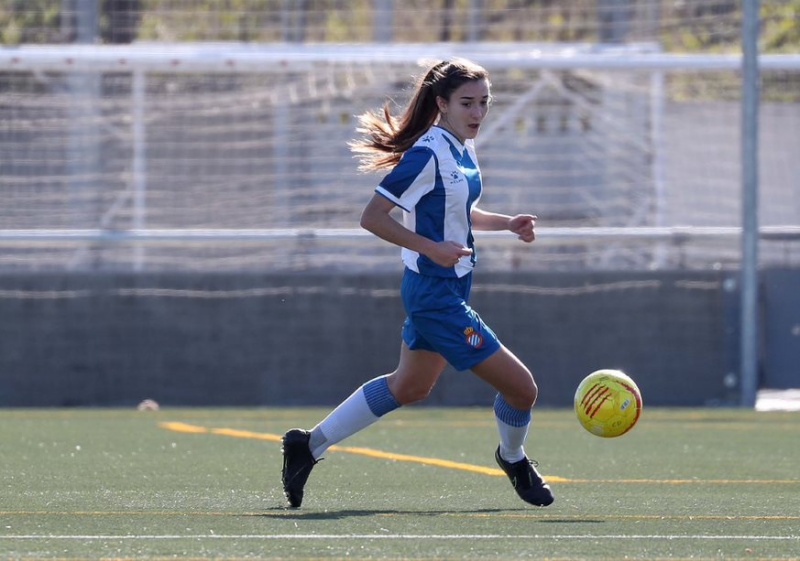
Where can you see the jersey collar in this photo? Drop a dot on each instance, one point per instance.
(453, 140)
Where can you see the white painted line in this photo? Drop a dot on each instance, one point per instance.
(402, 537)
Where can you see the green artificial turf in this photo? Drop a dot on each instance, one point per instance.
(421, 484)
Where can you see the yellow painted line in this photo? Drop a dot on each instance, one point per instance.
(247, 434)
(370, 453)
(378, 454)
(183, 427)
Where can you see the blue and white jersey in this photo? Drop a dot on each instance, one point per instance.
(437, 183)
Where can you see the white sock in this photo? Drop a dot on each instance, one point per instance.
(512, 424)
(366, 405)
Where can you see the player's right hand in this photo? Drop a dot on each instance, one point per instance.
(448, 253)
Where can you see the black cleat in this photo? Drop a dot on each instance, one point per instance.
(527, 482)
(297, 464)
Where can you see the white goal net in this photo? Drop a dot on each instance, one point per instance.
(232, 157)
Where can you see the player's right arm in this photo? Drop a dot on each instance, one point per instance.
(376, 218)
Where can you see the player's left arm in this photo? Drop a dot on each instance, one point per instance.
(523, 225)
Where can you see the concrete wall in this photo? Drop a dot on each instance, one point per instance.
(78, 340)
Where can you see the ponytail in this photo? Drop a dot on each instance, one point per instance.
(386, 138)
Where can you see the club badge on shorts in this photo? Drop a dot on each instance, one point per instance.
(474, 339)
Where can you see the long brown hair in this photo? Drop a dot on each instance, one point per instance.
(386, 137)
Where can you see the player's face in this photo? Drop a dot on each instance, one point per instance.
(463, 113)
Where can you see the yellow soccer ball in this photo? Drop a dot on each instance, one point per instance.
(608, 403)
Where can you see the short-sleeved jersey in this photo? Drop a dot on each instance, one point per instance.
(437, 183)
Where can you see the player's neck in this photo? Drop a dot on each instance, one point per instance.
(443, 124)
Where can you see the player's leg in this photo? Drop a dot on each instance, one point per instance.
(509, 376)
(516, 395)
(415, 376)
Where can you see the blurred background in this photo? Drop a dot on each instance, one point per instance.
(179, 216)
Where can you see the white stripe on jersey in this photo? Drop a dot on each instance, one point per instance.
(437, 183)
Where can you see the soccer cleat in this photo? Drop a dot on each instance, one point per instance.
(527, 482)
(297, 464)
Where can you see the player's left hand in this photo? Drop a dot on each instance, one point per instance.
(523, 226)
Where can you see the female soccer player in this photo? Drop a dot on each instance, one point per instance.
(433, 176)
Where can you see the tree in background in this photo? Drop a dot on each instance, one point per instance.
(781, 26)
(30, 21)
(680, 26)
(119, 20)
(43, 21)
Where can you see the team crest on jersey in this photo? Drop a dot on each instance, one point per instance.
(474, 339)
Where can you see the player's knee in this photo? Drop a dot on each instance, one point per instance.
(406, 394)
(524, 397)
(531, 390)
(532, 393)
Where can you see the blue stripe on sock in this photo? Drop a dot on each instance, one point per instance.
(379, 398)
(509, 415)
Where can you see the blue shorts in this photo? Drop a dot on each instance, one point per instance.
(440, 320)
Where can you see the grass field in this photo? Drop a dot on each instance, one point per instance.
(422, 484)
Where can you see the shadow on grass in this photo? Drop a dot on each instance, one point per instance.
(297, 514)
